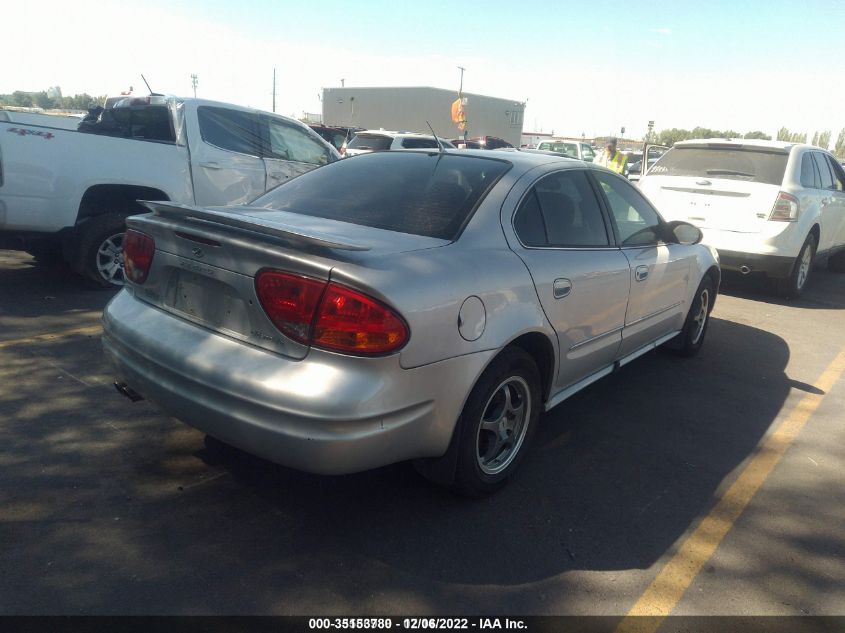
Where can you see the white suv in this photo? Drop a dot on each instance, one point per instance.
(380, 140)
(767, 206)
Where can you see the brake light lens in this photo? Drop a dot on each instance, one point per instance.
(290, 301)
(330, 316)
(138, 251)
(785, 209)
(351, 322)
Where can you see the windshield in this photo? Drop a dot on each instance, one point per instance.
(428, 194)
(750, 165)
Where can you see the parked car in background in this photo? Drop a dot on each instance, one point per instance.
(72, 190)
(480, 142)
(573, 149)
(381, 140)
(334, 134)
(315, 329)
(768, 206)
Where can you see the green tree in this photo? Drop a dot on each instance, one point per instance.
(839, 148)
(799, 137)
(824, 139)
(21, 99)
(758, 134)
(815, 139)
(784, 134)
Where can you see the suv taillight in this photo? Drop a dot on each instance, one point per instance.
(328, 315)
(785, 209)
(138, 251)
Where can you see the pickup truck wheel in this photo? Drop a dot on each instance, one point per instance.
(101, 251)
(793, 286)
(497, 423)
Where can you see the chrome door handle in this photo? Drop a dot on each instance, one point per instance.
(210, 165)
(641, 273)
(561, 288)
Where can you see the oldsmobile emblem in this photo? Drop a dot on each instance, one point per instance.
(197, 251)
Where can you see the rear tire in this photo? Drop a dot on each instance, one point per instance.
(497, 423)
(692, 336)
(793, 286)
(100, 253)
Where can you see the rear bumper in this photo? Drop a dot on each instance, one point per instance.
(772, 265)
(327, 413)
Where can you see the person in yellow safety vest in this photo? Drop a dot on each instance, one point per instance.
(612, 158)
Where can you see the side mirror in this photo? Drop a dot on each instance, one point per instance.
(679, 232)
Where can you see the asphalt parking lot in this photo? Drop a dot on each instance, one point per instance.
(702, 486)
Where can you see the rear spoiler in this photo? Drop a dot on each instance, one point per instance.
(252, 225)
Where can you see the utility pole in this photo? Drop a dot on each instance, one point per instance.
(342, 83)
(461, 97)
(274, 90)
(194, 83)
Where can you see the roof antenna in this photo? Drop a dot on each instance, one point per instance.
(148, 85)
(436, 138)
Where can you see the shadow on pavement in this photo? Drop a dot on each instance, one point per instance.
(825, 290)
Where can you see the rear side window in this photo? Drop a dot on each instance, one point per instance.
(370, 141)
(750, 165)
(809, 173)
(432, 195)
(232, 130)
(419, 143)
(568, 211)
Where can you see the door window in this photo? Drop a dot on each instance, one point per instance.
(289, 142)
(637, 222)
(824, 170)
(561, 210)
(838, 174)
(232, 130)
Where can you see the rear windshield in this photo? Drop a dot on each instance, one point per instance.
(751, 165)
(414, 142)
(428, 194)
(370, 141)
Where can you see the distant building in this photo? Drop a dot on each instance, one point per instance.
(408, 108)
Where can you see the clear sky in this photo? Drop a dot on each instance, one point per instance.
(587, 66)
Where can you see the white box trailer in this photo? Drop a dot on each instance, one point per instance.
(408, 108)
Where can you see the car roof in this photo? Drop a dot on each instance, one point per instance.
(738, 142)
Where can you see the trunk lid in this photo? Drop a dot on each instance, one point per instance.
(206, 261)
(712, 203)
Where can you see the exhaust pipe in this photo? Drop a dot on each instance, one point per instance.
(125, 390)
(744, 269)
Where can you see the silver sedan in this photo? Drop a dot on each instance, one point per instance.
(417, 305)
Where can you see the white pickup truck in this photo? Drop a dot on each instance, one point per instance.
(74, 188)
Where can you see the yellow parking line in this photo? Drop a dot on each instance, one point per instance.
(52, 336)
(667, 589)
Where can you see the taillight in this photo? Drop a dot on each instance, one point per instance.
(785, 209)
(349, 321)
(329, 315)
(290, 301)
(138, 251)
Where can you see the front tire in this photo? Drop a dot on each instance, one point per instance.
(793, 286)
(497, 423)
(698, 318)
